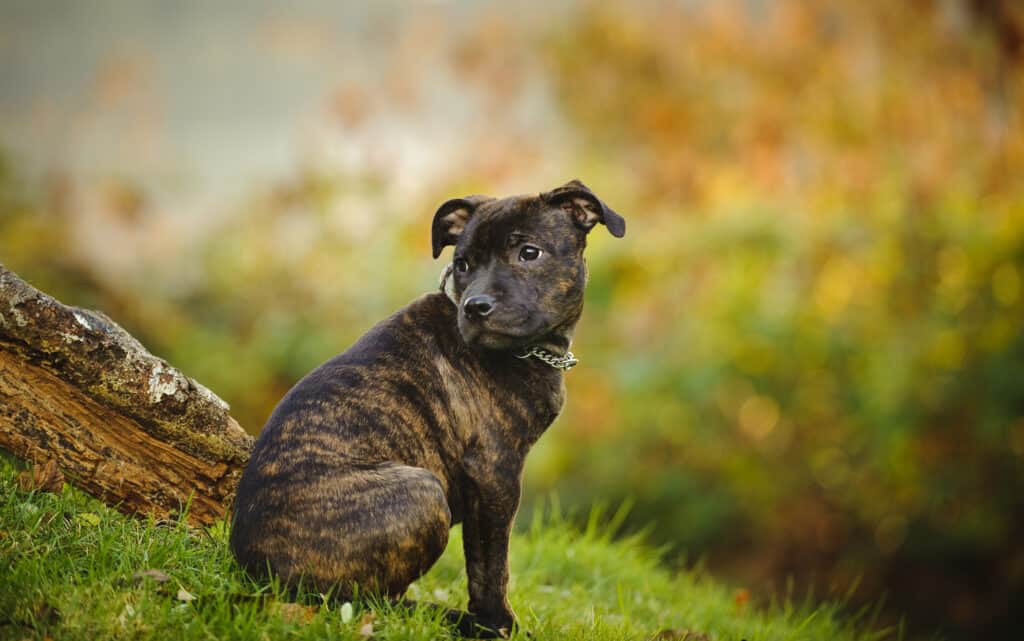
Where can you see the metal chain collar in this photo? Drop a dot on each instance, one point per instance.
(564, 363)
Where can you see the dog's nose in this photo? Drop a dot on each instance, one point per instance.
(480, 305)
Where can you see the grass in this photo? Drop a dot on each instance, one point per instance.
(70, 569)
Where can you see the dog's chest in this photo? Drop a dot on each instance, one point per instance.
(509, 414)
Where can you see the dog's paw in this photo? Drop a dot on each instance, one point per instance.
(472, 626)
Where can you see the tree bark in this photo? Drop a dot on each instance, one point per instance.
(122, 424)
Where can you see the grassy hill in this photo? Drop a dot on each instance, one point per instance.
(70, 568)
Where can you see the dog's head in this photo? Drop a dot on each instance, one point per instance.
(518, 265)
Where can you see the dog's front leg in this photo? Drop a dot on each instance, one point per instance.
(491, 509)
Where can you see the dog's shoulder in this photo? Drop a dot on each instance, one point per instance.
(425, 325)
(405, 342)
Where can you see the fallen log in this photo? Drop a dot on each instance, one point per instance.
(121, 424)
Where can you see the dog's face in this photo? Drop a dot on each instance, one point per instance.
(518, 264)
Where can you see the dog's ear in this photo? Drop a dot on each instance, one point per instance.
(451, 219)
(585, 207)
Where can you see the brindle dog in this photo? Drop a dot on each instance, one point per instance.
(426, 420)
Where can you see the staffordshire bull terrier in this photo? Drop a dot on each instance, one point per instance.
(426, 420)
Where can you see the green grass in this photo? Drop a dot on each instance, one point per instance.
(68, 570)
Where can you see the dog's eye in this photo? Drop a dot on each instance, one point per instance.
(461, 265)
(529, 252)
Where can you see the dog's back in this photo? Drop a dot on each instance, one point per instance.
(345, 481)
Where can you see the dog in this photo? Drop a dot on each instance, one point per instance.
(425, 422)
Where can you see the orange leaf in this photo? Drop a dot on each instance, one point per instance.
(741, 598)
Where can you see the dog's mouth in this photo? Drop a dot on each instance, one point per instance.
(495, 340)
(501, 333)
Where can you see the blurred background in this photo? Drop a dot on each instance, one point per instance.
(805, 361)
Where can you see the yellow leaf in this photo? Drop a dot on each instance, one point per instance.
(294, 612)
(88, 518)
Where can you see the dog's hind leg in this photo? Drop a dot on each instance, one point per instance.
(370, 529)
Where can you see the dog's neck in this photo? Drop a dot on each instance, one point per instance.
(530, 391)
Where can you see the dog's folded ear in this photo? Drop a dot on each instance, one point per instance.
(451, 219)
(585, 207)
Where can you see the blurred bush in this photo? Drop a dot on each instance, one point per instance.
(806, 358)
(818, 322)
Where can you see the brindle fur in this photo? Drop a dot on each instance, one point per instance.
(426, 420)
